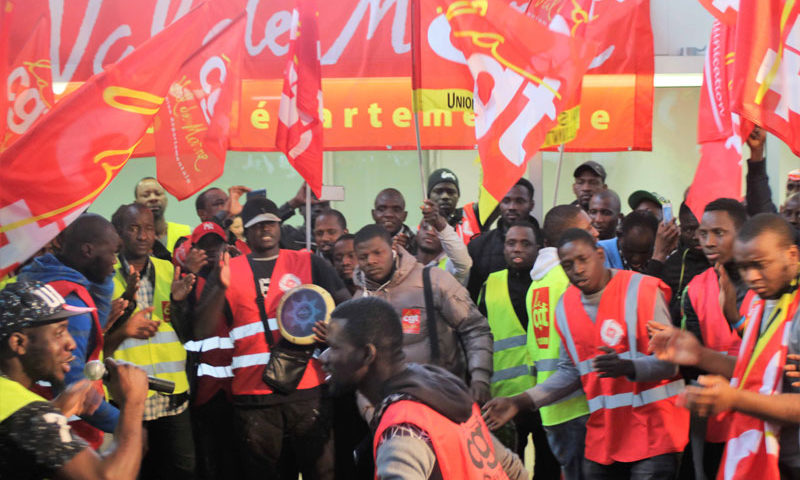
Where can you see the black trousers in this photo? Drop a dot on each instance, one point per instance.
(214, 439)
(278, 441)
(170, 449)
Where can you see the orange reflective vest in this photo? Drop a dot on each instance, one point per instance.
(718, 334)
(628, 421)
(463, 450)
(752, 447)
(250, 349)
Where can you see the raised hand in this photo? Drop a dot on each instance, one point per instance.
(195, 260)
(666, 240)
(132, 282)
(140, 326)
(756, 141)
(431, 216)
(181, 287)
(118, 307)
(223, 270)
(80, 398)
(399, 240)
(673, 345)
(234, 206)
(727, 295)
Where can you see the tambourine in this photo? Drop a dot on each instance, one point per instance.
(299, 309)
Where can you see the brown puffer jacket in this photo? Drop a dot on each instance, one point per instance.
(463, 331)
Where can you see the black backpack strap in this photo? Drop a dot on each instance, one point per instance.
(430, 312)
(261, 307)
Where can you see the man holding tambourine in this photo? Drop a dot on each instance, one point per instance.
(274, 299)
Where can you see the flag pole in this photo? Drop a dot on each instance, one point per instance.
(419, 155)
(558, 173)
(415, 33)
(308, 217)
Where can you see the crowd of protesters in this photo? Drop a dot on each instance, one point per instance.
(630, 345)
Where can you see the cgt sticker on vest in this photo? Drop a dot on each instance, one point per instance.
(288, 282)
(411, 320)
(611, 332)
(165, 308)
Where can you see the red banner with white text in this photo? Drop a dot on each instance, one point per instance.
(366, 68)
(61, 164)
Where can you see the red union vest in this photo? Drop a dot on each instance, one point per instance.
(463, 450)
(469, 225)
(752, 447)
(214, 371)
(718, 334)
(92, 435)
(628, 421)
(250, 349)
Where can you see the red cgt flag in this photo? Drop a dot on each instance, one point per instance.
(525, 75)
(767, 68)
(719, 130)
(192, 128)
(299, 133)
(27, 86)
(56, 169)
(725, 11)
(624, 37)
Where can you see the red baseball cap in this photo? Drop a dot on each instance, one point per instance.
(207, 228)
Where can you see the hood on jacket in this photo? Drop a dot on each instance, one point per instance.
(48, 268)
(545, 261)
(435, 387)
(404, 262)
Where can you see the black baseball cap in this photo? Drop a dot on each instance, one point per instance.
(30, 304)
(639, 196)
(259, 209)
(593, 167)
(442, 175)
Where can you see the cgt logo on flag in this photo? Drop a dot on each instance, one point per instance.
(299, 133)
(524, 75)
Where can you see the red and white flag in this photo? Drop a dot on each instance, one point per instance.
(192, 127)
(61, 164)
(624, 37)
(723, 10)
(27, 86)
(299, 133)
(719, 130)
(525, 75)
(767, 68)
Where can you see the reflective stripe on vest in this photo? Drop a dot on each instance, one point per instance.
(162, 355)
(250, 348)
(544, 344)
(629, 420)
(14, 396)
(206, 370)
(207, 344)
(512, 363)
(463, 450)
